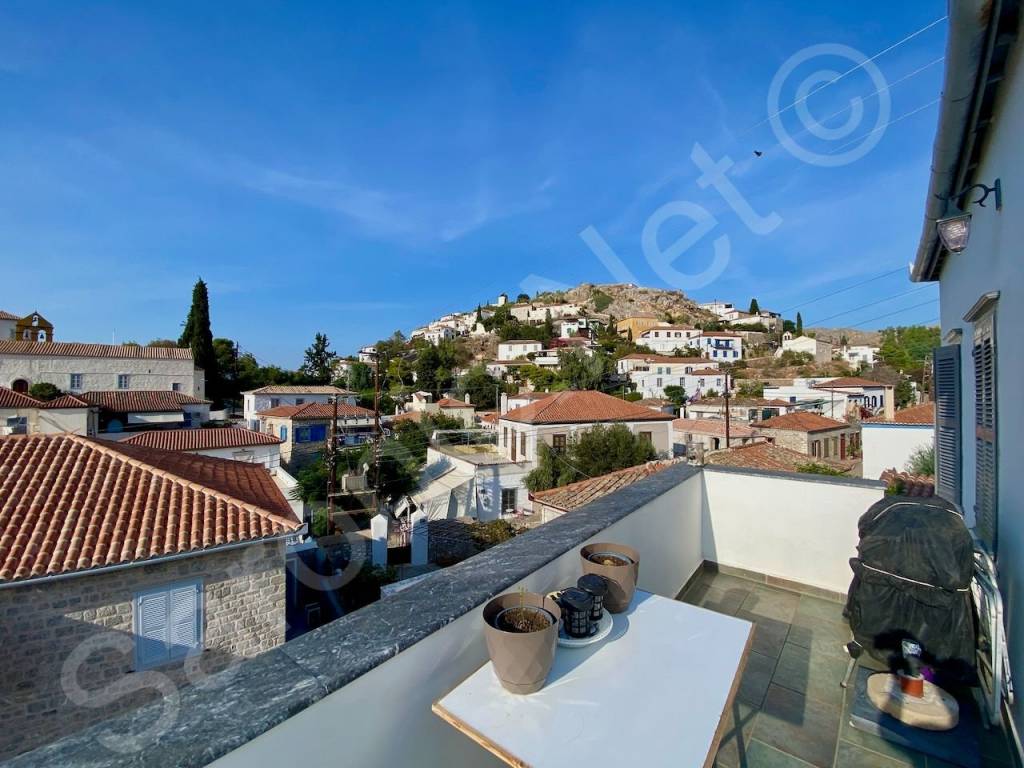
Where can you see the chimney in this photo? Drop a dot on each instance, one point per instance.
(890, 403)
(503, 406)
(467, 399)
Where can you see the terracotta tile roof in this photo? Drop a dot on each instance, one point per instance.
(66, 401)
(69, 503)
(721, 335)
(447, 402)
(531, 396)
(415, 416)
(765, 456)
(582, 407)
(489, 417)
(849, 381)
(665, 359)
(8, 316)
(299, 389)
(802, 421)
(11, 399)
(915, 414)
(316, 412)
(653, 402)
(714, 427)
(706, 372)
(575, 495)
(200, 439)
(907, 484)
(140, 400)
(76, 349)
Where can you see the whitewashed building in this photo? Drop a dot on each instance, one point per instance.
(668, 338)
(721, 346)
(820, 351)
(24, 415)
(890, 442)
(516, 349)
(858, 355)
(74, 367)
(273, 395)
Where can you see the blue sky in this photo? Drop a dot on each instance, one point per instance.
(355, 169)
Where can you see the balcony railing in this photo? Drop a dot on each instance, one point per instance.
(358, 691)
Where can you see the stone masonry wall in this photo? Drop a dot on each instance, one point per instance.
(68, 647)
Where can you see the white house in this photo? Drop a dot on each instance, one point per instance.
(888, 443)
(858, 355)
(368, 355)
(821, 351)
(517, 349)
(24, 415)
(74, 367)
(476, 481)
(694, 381)
(720, 308)
(8, 322)
(974, 253)
(721, 345)
(833, 403)
(273, 395)
(673, 366)
(746, 409)
(579, 326)
(538, 313)
(435, 334)
(668, 338)
(710, 434)
(864, 394)
(557, 419)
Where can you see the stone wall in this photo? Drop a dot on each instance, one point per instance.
(100, 373)
(68, 647)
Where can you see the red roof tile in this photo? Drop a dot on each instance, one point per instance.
(714, 427)
(575, 495)
(447, 402)
(844, 382)
(66, 401)
(915, 414)
(140, 400)
(582, 407)
(317, 412)
(69, 503)
(766, 456)
(76, 349)
(743, 401)
(906, 484)
(11, 399)
(8, 316)
(802, 421)
(201, 439)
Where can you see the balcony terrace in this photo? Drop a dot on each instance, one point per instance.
(768, 547)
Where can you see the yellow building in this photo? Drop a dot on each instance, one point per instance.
(631, 327)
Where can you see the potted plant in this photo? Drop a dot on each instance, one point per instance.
(620, 565)
(521, 629)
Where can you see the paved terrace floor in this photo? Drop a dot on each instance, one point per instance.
(790, 709)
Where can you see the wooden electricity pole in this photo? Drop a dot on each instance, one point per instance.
(376, 430)
(728, 418)
(332, 453)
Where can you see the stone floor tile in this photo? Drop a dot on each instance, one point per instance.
(814, 674)
(851, 756)
(799, 726)
(756, 678)
(772, 603)
(769, 634)
(732, 750)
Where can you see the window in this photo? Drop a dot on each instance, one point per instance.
(123, 381)
(168, 623)
(522, 445)
(826, 447)
(175, 387)
(816, 448)
(508, 500)
(274, 402)
(946, 375)
(986, 473)
(300, 401)
(75, 381)
(282, 433)
(647, 437)
(558, 443)
(504, 437)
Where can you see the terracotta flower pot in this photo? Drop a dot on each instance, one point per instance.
(621, 578)
(521, 660)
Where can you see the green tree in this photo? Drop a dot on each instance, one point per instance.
(549, 326)
(481, 387)
(166, 343)
(198, 337)
(318, 360)
(360, 377)
(675, 393)
(799, 328)
(596, 452)
(44, 390)
(601, 300)
(522, 298)
(754, 308)
(226, 352)
(788, 326)
(580, 370)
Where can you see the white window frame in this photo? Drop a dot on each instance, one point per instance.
(171, 656)
(73, 378)
(124, 381)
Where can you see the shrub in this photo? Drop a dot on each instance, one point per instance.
(44, 390)
(486, 535)
(922, 462)
(813, 468)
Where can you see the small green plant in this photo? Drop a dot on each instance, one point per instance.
(491, 533)
(922, 462)
(814, 468)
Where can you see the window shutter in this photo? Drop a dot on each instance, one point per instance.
(183, 619)
(986, 471)
(947, 422)
(151, 648)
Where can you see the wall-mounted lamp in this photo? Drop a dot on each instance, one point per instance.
(955, 230)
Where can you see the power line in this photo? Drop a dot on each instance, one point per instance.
(870, 304)
(842, 290)
(897, 312)
(883, 127)
(839, 77)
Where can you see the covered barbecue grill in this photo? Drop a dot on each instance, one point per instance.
(912, 582)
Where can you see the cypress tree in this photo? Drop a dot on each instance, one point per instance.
(799, 325)
(198, 337)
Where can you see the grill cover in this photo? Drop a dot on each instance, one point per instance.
(911, 580)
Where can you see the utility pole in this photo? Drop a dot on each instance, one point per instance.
(332, 453)
(376, 430)
(728, 417)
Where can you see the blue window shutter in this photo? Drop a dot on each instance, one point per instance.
(183, 630)
(151, 633)
(283, 433)
(947, 421)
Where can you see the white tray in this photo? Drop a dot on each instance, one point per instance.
(604, 626)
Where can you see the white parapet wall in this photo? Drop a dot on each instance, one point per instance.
(793, 527)
(890, 446)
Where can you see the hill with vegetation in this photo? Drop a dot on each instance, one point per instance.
(625, 299)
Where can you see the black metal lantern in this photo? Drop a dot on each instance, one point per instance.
(596, 586)
(576, 606)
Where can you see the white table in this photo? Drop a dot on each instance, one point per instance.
(655, 692)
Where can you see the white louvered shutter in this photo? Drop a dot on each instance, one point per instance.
(183, 619)
(986, 470)
(947, 421)
(151, 643)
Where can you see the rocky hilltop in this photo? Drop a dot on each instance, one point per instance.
(625, 299)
